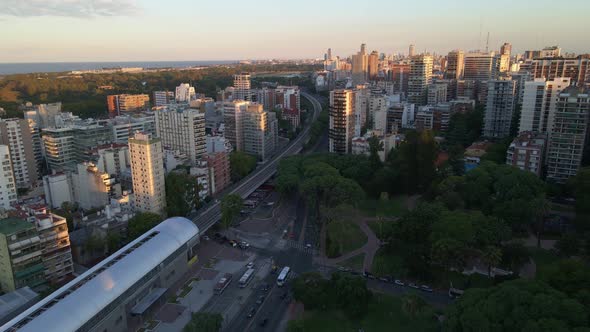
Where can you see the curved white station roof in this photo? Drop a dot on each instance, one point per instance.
(105, 283)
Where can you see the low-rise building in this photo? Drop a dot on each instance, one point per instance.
(473, 154)
(526, 152)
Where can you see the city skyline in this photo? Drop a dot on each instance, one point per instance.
(154, 31)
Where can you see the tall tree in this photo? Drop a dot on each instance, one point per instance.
(231, 205)
(491, 256)
(182, 194)
(241, 164)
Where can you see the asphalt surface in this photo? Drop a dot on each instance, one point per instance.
(212, 214)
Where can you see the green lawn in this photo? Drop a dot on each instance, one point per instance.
(343, 236)
(355, 263)
(385, 264)
(394, 207)
(381, 227)
(384, 314)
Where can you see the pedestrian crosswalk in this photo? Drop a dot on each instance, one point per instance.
(302, 247)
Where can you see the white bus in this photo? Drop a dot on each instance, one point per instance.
(245, 279)
(283, 276)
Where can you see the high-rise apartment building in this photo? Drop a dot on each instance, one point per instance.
(59, 147)
(341, 128)
(373, 65)
(162, 98)
(420, 78)
(577, 69)
(360, 66)
(21, 255)
(147, 173)
(16, 134)
(182, 129)
(499, 108)
(506, 49)
(437, 93)
(361, 108)
(118, 104)
(125, 126)
(400, 74)
(455, 64)
(539, 103)
(478, 66)
(185, 93)
(7, 183)
(568, 134)
(411, 50)
(233, 116)
(43, 115)
(260, 131)
(242, 87)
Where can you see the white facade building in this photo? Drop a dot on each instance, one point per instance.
(7, 183)
(185, 93)
(147, 173)
(182, 129)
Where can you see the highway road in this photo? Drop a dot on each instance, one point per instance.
(212, 214)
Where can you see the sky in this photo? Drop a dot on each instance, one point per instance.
(191, 30)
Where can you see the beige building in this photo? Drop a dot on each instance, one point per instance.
(147, 173)
(341, 130)
(455, 64)
(260, 131)
(182, 129)
(242, 88)
(118, 104)
(16, 134)
(233, 114)
(478, 66)
(420, 78)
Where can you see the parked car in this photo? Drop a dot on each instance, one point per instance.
(426, 288)
(250, 265)
(265, 287)
(308, 246)
(399, 282)
(384, 279)
(413, 285)
(206, 238)
(260, 299)
(251, 312)
(244, 245)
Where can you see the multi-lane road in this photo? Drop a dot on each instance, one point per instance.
(212, 214)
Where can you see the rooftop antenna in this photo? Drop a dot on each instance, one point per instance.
(488, 43)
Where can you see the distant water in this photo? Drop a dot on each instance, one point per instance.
(48, 67)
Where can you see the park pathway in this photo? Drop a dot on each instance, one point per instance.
(369, 249)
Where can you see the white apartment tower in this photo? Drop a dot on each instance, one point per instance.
(420, 78)
(185, 93)
(499, 108)
(233, 116)
(242, 88)
(16, 134)
(539, 103)
(147, 173)
(7, 183)
(341, 128)
(182, 129)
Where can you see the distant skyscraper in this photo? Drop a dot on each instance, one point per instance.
(147, 173)
(412, 50)
(16, 134)
(360, 64)
(182, 129)
(499, 108)
(162, 98)
(242, 87)
(7, 183)
(506, 49)
(341, 128)
(539, 103)
(568, 134)
(478, 66)
(185, 93)
(420, 77)
(455, 64)
(373, 65)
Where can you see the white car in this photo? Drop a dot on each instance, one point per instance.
(399, 282)
(250, 265)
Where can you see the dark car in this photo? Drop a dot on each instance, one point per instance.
(264, 322)
(265, 287)
(260, 299)
(251, 312)
(283, 296)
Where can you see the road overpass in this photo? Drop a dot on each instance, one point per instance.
(212, 214)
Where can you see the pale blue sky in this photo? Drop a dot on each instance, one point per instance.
(128, 30)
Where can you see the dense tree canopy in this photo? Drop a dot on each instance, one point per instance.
(231, 205)
(241, 164)
(519, 305)
(204, 322)
(141, 223)
(182, 194)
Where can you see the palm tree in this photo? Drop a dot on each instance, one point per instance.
(491, 256)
